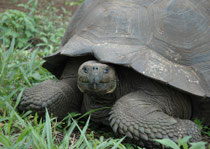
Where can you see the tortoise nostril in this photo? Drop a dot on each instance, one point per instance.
(95, 68)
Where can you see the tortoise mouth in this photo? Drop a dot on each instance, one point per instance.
(97, 88)
(96, 78)
(101, 82)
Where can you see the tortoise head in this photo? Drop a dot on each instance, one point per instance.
(96, 78)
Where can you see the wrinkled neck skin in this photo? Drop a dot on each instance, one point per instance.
(101, 103)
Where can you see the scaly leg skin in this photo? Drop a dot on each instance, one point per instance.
(142, 118)
(59, 97)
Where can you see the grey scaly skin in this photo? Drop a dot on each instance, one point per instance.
(140, 108)
(59, 96)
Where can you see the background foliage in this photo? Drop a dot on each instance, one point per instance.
(25, 37)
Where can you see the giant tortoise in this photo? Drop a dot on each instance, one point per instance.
(148, 60)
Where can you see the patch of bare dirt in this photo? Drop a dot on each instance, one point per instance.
(43, 4)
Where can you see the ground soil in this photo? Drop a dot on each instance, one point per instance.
(59, 4)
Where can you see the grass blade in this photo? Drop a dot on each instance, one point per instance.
(91, 111)
(83, 134)
(48, 130)
(118, 143)
(5, 141)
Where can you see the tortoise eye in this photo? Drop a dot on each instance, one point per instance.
(106, 70)
(84, 69)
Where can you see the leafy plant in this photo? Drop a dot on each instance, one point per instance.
(182, 143)
(204, 129)
(31, 29)
(14, 23)
(31, 6)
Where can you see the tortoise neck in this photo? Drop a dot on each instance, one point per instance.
(101, 105)
(71, 69)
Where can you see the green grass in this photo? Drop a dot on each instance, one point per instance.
(21, 52)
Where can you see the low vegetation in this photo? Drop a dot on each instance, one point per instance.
(25, 39)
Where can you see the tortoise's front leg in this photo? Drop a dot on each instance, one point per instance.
(142, 118)
(59, 97)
